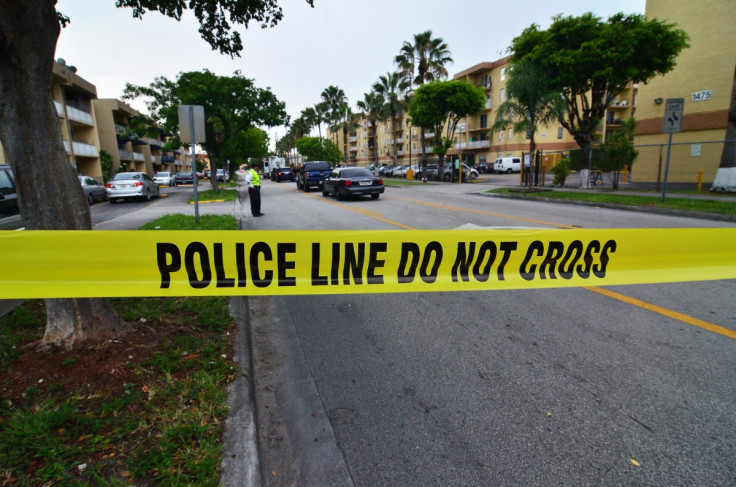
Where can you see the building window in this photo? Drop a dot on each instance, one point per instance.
(503, 73)
(502, 94)
(559, 132)
(484, 121)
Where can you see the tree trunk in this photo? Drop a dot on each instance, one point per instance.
(725, 180)
(49, 195)
(585, 143)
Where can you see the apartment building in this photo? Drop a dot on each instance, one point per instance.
(89, 125)
(704, 78)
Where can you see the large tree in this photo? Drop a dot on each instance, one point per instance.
(318, 149)
(49, 195)
(530, 104)
(393, 88)
(422, 61)
(590, 61)
(440, 105)
(232, 104)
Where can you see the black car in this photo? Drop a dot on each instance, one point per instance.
(282, 174)
(184, 177)
(484, 167)
(9, 213)
(352, 181)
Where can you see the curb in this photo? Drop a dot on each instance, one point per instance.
(615, 206)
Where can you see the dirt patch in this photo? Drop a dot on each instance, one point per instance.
(89, 368)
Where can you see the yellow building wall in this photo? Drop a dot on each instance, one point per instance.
(707, 66)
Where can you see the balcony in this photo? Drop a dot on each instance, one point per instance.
(125, 154)
(77, 115)
(137, 156)
(82, 149)
(352, 138)
(479, 144)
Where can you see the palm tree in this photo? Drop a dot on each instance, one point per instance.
(347, 122)
(372, 106)
(421, 62)
(530, 104)
(335, 101)
(309, 115)
(320, 111)
(393, 88)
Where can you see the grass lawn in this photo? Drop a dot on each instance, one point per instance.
(713, 205)
(146, 409)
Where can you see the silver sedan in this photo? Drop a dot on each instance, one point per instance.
(131, 185)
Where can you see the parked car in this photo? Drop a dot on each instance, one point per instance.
(312, 173)
(131, 185)
(207, 174)
(282, 174)
(400, 171)
(222, 176)
(165, 178)
(484, 167)
(184, 177)
(433, 170)
(352, 181)
(10, 218)
(386, 171)
(93, 190)
(468, 172)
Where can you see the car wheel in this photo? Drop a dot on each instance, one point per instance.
(339, 195)
(375, 196)
(509, 171)
(147, 197)
(90, 199)
(305, 188)
(324, 191)
(112, 201)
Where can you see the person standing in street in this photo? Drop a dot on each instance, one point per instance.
(253, 179)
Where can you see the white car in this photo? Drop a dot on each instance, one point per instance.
(164, 178)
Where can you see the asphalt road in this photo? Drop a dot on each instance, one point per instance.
(538, 388)
(545, 387)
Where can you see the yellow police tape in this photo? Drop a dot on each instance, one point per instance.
(63, 264)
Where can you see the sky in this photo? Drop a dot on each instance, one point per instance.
(347, 43)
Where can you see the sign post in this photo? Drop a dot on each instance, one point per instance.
(191, 130)
(672, 123)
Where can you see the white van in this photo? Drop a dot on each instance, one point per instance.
(507, 165)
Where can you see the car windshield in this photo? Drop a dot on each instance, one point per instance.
(184, 174)
(161, 175)
(357, 172)
(126, 175)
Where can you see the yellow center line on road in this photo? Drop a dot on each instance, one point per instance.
(369, 213)
(481, 212)
(613, 295)
(666, 312)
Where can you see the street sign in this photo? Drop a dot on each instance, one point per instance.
(673, 115)
(188, 114)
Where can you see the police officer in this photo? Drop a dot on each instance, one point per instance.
(253, 179)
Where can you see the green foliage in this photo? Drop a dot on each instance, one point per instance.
(440, 105)
(319, 149)
(215, 17)
(530, 103)
(619, 150)
(561, 171)
(187, 222)
(106, 162)
(423, 60)
(233, 106)
(590, 61)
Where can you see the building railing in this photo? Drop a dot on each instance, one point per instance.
(79, 115)
(137, 156)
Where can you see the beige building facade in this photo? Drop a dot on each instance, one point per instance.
(89, 125)
(704, 78)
